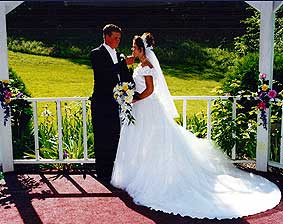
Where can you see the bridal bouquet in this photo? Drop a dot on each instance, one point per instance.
(123, 94)
(7, 92)
(5, 99)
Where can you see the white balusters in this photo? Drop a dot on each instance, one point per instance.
(234, 107)
(35, 125)
(84, 129)
(209, 119)
(185, 113)
(59, 124)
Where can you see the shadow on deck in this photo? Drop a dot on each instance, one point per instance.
(66, 197)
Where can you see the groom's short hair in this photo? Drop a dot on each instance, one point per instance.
(109, 28)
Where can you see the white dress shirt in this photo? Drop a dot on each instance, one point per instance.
(112, 53)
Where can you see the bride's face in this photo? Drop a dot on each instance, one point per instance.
(135, 51)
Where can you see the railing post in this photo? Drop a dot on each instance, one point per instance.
(209, 119)
(266, 50)
(35, 125)
(84, 129)
(6, 148)
(233, 121)
(59, 123)
(185, 113)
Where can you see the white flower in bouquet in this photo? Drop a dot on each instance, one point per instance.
(123, 93)
(2, 180)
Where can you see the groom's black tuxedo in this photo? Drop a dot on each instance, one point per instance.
(104, 109)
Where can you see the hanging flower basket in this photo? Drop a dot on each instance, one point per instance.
(265, 97)
(5, 98)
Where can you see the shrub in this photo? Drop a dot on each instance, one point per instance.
(249, 42)
(227, 132)
(243, 75)
(28, 46)
(21, 114)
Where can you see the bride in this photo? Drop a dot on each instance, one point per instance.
(165, 167)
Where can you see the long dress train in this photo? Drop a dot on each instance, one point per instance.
(165, 167)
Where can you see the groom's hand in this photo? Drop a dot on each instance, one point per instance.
(130, 60)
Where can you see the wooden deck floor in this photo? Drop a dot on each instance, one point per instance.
(79, 198)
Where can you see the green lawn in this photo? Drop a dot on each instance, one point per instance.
(52, 77)
(55, 77)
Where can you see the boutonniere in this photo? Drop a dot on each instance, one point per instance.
(122, 57)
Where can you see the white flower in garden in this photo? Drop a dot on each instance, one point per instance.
(46, 113)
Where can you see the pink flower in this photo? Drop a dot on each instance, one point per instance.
(272, 94)
(8, 94)
(262, 76)
(261, 106)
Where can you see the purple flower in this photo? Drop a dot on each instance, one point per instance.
(261, 95)
(272, 94)
(65, 155)
(19, 95)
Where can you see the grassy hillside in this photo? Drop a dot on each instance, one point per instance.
(55, 77)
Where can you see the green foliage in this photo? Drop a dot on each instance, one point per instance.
(21, 114)
(243, 75)
(223, 125)
(208, 63)
(187, 52)
(197, 124)
(220, 62)
(28, 46)
(249, 42)
(278, 67)
(70, 50)
(242, 80)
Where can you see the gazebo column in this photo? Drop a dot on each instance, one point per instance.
(6, 150)
(266, 55)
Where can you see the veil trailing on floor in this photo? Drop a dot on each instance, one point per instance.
(161, 88)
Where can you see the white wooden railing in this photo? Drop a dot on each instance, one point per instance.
(58, 101)
(84, 100)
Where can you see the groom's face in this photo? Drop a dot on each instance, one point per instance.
(113, 39)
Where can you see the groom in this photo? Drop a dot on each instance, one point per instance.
(109, 68)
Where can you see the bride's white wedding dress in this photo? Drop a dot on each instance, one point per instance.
(165, 167)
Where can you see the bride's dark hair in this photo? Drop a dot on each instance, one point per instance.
(149, 39)
(139, 42)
